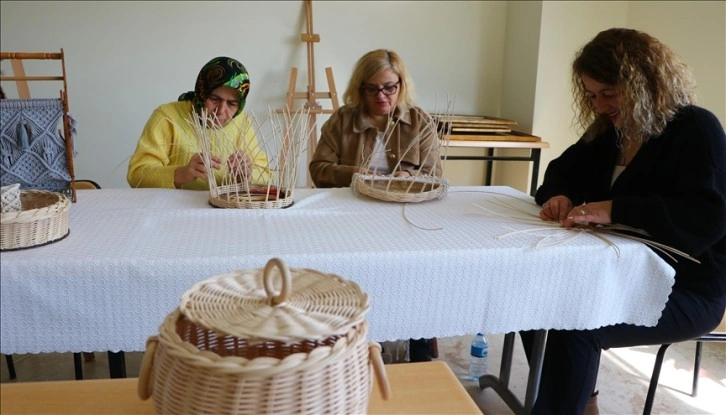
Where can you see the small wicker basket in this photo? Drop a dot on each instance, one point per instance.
(400, 189)
(243, 343)
(42, 219)
(260, 197)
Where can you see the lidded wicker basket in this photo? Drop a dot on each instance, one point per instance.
(400, 189)
(42, 219)
(276, 340)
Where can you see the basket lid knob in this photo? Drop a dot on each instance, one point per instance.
(276, 303)
(286, 281)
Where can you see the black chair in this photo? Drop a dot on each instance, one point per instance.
(718, 335)
(86, 184)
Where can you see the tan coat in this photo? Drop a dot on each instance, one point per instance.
(348, 139)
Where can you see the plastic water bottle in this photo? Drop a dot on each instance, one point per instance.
(478, 357)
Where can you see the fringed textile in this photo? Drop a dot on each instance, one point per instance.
(32, 144)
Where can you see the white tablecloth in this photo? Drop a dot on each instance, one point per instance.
(132, 253)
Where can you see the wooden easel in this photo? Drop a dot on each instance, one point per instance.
(311, 95)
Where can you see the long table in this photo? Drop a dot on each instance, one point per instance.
(416, 388)
(465, 263)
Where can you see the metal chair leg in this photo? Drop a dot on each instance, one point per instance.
(696, 368)
(654, 379)
(11, 366)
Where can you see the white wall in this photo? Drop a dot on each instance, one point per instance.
(519, 86)
(498, 58)
(696, 30)
(566, 27)
(125, 58)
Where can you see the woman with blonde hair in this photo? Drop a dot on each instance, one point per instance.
(649, 159)
(379, 130)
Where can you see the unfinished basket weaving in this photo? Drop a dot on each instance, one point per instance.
(400, 189)
(42, 219)
(250, 197)
(247, 343)
(282, 137)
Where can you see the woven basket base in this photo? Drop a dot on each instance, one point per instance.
(256, 198)
(399, 189)
(37, 245)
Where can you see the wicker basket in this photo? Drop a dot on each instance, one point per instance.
(42, 220)
(240, 197)
(243, 343)
(400, 189)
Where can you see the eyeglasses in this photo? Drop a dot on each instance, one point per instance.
(372, 91)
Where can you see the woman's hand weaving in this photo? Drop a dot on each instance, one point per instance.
(556, 209)
(590, 213)
(194, 170)
(240, 164)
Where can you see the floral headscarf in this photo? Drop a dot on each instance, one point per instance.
(220, 71)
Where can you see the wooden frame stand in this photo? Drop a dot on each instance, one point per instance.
(311, 106)
(21, 82)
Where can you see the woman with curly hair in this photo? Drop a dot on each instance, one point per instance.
(650, 159)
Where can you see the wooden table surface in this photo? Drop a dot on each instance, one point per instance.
(416, 388)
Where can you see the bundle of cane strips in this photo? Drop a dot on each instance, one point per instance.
(596, 230)
(553, 234)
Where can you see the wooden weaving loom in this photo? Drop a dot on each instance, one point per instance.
(21, 82)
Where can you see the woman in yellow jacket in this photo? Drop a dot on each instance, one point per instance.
(168, 153)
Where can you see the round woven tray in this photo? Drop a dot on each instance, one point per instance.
(400, 189)
(245, 343)
(42, 220)
(238, 197)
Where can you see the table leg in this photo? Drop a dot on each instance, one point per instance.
(535, 155)
(78, 365)
(535, 369)
(11, 366)
(501, 384)
(116, 364)
(490, 165)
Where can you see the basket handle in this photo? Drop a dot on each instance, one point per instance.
(144, 388)
(374, 350)
(286, 281)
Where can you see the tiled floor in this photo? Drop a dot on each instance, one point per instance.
(623, 379)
